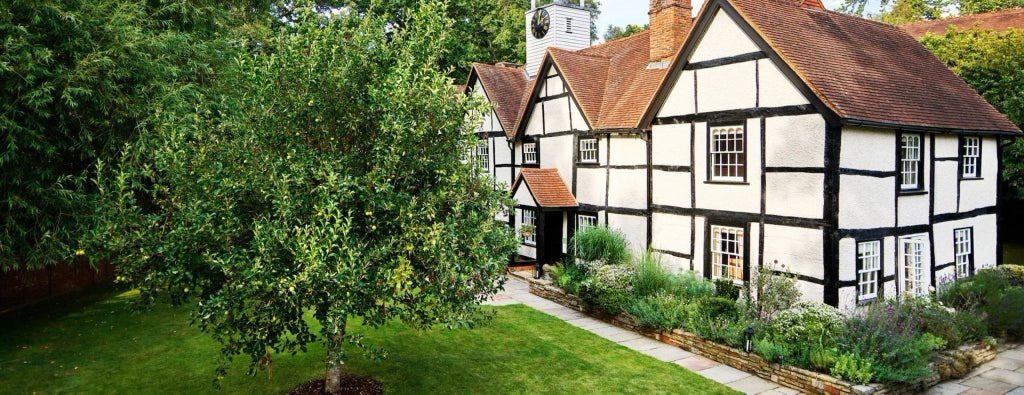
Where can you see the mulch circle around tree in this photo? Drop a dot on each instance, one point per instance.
(350, 385)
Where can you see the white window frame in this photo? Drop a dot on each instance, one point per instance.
(727, 260)
(483, 155)
(727, 153)
(869, 269)
(911, 151)
(970, 157)
(588, 151)
(584, 221)
(911, 263)
(963, 251)
(528, 216)
(530, 156)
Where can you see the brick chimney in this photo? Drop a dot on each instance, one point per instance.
(670, 22)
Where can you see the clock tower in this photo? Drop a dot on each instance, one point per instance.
(558, 24)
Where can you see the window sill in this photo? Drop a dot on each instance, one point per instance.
(727, 182)
(865, 302)
(534, 245)
(971, 178)
(913, 193)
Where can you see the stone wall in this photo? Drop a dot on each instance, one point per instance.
(946, 365)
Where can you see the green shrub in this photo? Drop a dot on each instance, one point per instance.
(771, 350)
(687, 286)
(713, 318)
(822, 359)
(1014, 273)
(970, 325)
(849, 366)
(598, 245)
(889, 338)
(568, 276)
(776, 291)
(663, 312)
(930, 317)
(608, 290)
(726, 289)
(807, 323)
(1006, 313)
(650, 277)
(971, 293)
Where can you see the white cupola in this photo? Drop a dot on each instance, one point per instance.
(558, 24)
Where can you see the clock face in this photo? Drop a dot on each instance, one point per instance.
(540, 24)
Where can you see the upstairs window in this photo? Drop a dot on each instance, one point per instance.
(869, 265)
(728, 154)
(970, 157)
(483, 156)
(530, 153)
(963, 250)
(727, 253)
(588, 151)
(910, 162)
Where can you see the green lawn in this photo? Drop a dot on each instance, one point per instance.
(93, 343)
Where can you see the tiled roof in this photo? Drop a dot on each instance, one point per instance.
(611, 81)
(547, 187)
(999, 21)
(870, 72)
(505, 87)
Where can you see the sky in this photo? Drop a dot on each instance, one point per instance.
(624, 12)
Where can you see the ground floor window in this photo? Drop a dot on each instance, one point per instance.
(911, 265)
(527, 221)
(727, 252)
(869, 265)
(964, 251)
(584, 221)
(483, 156)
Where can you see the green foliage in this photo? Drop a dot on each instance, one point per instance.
(776, 291)
(609, 289)
(713, 318)
(1014, 274)
(971, 293)
(689, 287)
(662, 311)
(822, 359)
(568, 276)
(771, 350)
(598, 245)
(1004, 313)
(887, 336)
(898, 11)
(854, 368)
(725, 288)
(979, 6)
(616, 32)
(650, 277)
(326, 176)
(807, 323)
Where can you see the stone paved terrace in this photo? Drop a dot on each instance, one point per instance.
(1004, 375)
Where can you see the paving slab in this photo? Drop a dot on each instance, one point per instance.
(588, 323)
(621, 337)
(1005, 363)
(1006, 376)
(606, 331)
(752, 385)
(724, 374)
(1013, 354)
(669, 353)
(978, 371)
(991, 386)
(642, 344)
(696, 363)
(780, 391)
(948, 388)
(1018, 391)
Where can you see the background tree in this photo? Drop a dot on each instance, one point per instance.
(323, 180)
(898, 12)
(615, 32)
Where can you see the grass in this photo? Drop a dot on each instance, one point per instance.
(95, 343)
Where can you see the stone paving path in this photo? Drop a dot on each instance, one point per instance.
(1004, 375)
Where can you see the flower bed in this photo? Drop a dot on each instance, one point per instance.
(946, 364)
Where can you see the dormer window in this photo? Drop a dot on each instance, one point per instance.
(588, 151)
(530, 153)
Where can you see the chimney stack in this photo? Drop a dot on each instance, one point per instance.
(670, 23)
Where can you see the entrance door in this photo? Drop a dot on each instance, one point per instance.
(553, 236)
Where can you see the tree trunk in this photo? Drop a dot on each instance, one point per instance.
(332, 384)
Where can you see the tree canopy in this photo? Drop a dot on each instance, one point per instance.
(899, 12)
(616, 32)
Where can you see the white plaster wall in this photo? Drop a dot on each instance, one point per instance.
(797, 248)
(984, 231)
(590, 186)
(628, 150)
(578, 121)
(722, 39)
(602, 150)
(848, 299)
(727, 87)
(946, 180)
(524, 197)
(811, 291)
(671, 188)
(776, 90)
(628, 188)
(866, 202)
(754, 229)
(947, 146)
(847, 259)
(738, 197)
(981, 193)
(913, 209)
(671, 232)
(889, 261)
(675, 264)
(680, 100)
(795, 194)
(633, 227)
(502, 151)
(868, 149)
(556, 113)
(556, 152)
(797, 141)
(553, 85)
(535, 125)
(527, 251)
(670, 145)
(698, 245)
